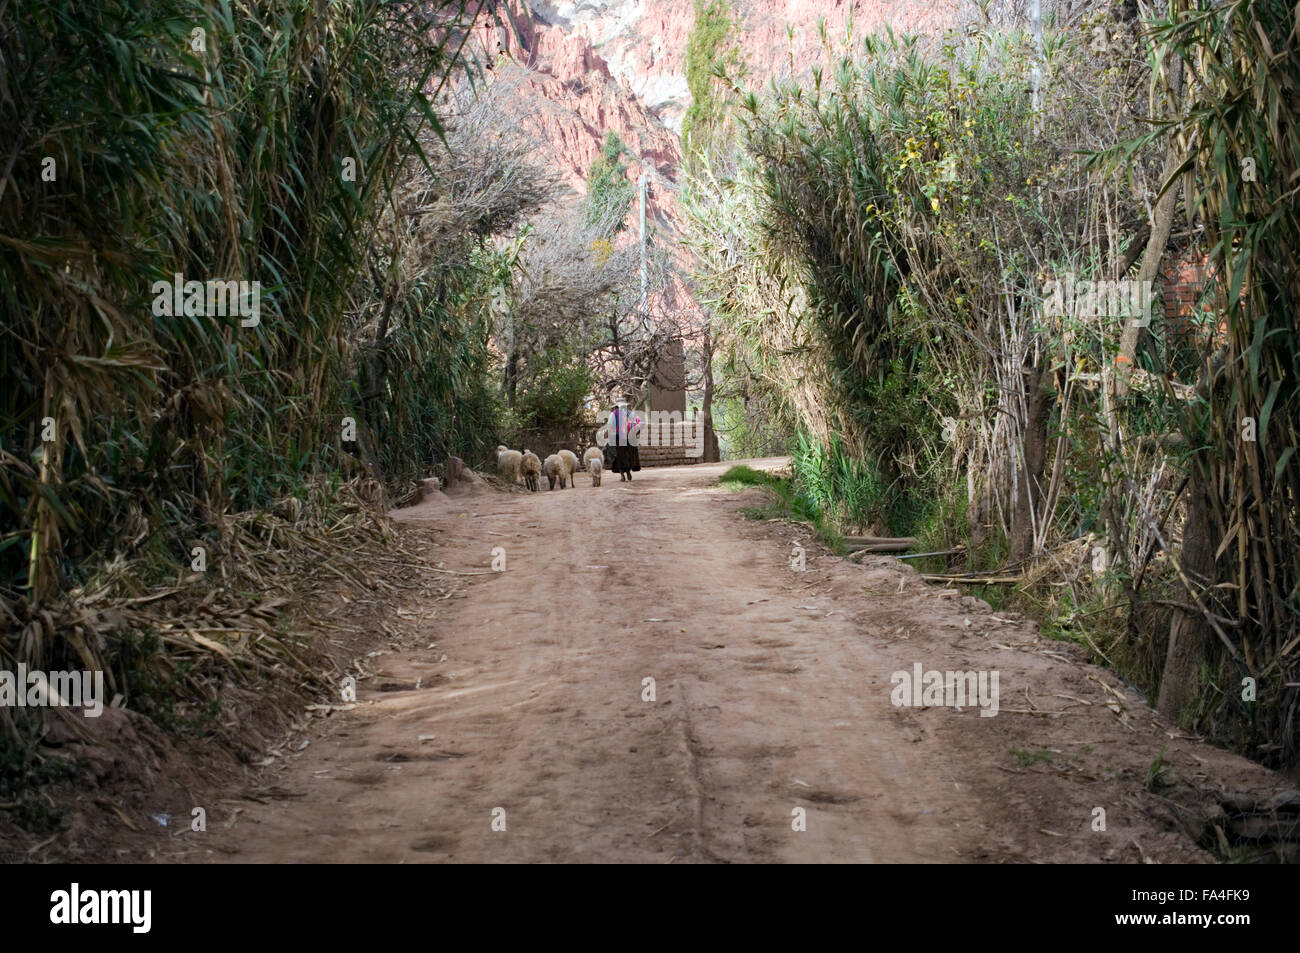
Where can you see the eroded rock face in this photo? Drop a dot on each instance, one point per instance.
(569, 98)
(643, 42)
(598, 65)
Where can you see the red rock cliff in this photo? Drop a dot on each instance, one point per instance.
(591, 66)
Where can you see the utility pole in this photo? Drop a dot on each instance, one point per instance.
(643, 275)
(1036, 27)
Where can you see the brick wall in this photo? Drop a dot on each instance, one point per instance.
(1187, 286)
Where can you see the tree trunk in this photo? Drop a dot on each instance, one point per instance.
(1189, 634)
(511, 381)
(1029, 490)
(1154, 253)
(711, 451)
(976, 512)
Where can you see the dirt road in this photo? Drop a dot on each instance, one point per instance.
(524, 704)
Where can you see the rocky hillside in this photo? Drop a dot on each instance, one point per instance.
(589, 67)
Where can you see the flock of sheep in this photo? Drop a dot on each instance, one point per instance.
(559, 467)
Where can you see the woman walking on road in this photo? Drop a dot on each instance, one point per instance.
(622, 432)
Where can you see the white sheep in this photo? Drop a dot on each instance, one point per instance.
(532, 470)
(594, 467)
(554, 468)
(570, 463)
(593, 453)
(508, 464)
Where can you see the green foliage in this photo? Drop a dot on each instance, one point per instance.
(1245, 115)
(1158, 773)
(877, 249)
(742, 476)
(785, 501)
(226, 162)
(609, 192)
(550, 403)
(438, 398)
(890, 226)
(710, 51)
(748, 432)
(944, 526)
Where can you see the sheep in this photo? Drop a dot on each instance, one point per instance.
(570, 463)
(508, 463)
(532, 470)
(594, 466)
(593, 453)
(554, 468)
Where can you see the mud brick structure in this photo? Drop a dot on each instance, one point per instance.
(677, 445)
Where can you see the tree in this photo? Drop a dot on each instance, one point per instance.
(710, 55)
(609, 193)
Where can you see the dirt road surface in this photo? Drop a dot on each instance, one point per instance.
(514, 721)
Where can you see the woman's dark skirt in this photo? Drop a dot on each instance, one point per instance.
(627, 460)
